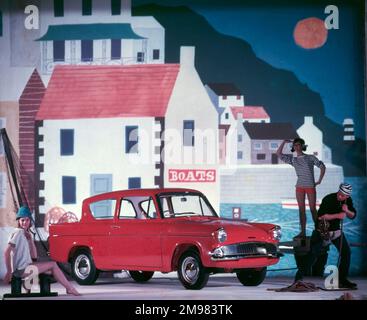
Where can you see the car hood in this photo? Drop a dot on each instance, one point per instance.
(237, 231)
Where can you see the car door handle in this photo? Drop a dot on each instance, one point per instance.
(115, 227)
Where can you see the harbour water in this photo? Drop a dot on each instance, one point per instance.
(355, 230)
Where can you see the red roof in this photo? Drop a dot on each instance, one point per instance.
(108, 91)
(250, 112)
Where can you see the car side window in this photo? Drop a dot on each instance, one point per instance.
(127, 210)
(148, 208)
(104, 209)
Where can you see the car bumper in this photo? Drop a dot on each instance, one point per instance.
(245, 250)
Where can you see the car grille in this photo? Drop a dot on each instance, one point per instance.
(249, 249)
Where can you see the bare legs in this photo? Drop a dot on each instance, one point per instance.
(312, 203)
(301, 197)
(52, 267)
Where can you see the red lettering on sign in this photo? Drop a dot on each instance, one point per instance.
(188, 175)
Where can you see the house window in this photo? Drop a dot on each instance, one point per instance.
(239, 155)
(66, 142)
(116, 49)
(156, 54)
(59, 50)
(131, 139)
(68, 190)
(238, 97)
(116, 7)
(87, 7)
(227, 115)
(188, 133)
(261, 156)
(58, 8)
(87, 50)
(273, 145)
(224, 97)
(135, 183)
(239, 138)
(262, 121)
(1, 24)
(3, 182)
(140, 57)
(258, 146)
(2, 125)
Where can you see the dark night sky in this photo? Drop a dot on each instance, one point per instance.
(335, 70)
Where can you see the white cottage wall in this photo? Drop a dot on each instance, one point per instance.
(99, 148)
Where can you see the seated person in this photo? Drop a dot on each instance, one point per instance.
(22, 245)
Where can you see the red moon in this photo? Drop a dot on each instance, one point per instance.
(310, 33)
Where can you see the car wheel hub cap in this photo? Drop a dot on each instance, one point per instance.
(190, 270)
(82, 267)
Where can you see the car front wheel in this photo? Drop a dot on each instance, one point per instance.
(251, 277)
(141, 276)
(191, 272)
(83, 268)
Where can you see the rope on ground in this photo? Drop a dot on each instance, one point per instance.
(298, 286)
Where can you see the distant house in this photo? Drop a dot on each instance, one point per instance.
(106, 132)
(264, 139)
(224, 96)
(251, 114)
(314, 140)
(89, 32)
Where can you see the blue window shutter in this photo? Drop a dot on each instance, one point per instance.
(115, 49)
(68, 190)
(116, 7)
(59, 50)
(188, 133)
(87, 50)
(58, 8)
(131, 139)
(156, 54)
(87, 7)
(135, 183)
(66, 142)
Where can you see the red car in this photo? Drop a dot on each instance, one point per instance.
(147, 230)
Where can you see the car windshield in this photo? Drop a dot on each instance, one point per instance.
(185, 204)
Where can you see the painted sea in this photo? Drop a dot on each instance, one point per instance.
(355, 230)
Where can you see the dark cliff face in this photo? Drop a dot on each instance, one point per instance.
(222, 58)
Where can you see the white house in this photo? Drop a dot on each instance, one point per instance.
(313, 137)
(224, 96)
(105, 133)
(254, 114)
(192, 160)
(97, 32)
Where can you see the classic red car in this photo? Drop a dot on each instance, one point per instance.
(164, 230)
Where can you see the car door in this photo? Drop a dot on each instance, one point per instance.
(136, 237)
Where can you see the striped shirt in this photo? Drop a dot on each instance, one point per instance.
(304, 168)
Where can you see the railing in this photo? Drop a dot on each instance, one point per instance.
(49, 64)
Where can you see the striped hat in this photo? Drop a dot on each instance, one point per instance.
(345, 188)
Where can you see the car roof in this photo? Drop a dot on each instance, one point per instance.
(141, 192)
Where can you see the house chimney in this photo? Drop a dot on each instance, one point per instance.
(308, 120)
(187, 57)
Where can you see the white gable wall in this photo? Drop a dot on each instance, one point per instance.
(190, 101)
(99, 148)
(313, 137)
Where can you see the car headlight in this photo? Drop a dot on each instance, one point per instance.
(220, 235)
(276, 233)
